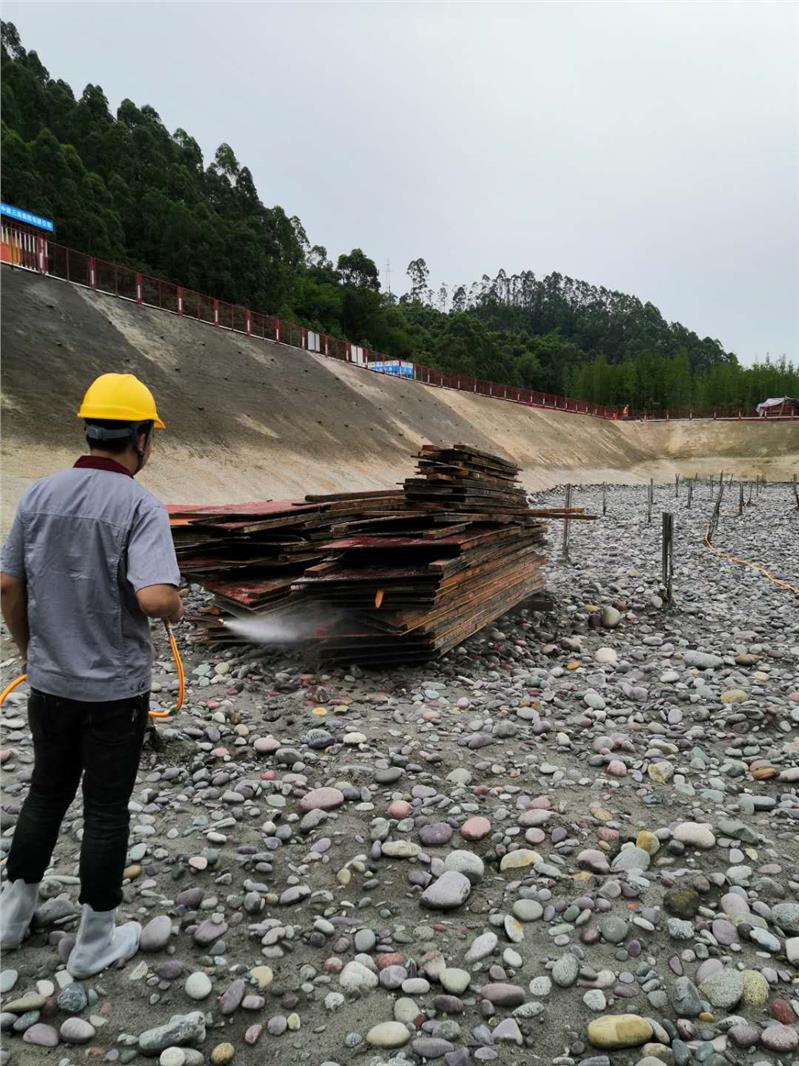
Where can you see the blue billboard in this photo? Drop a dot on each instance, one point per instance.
(27, 217)
(396, 368)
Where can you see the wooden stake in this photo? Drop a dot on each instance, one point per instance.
(668, 554)
(566, 526)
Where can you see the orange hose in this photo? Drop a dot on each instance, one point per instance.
(11, 686)
(173, 647)
(778, 581)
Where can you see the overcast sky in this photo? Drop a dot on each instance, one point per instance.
(652, 148)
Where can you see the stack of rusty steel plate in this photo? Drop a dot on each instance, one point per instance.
(394, 576)
(409, 589)
(250, 555)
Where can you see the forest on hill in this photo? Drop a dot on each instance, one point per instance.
(124, 188)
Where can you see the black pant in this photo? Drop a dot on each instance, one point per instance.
(103, 742)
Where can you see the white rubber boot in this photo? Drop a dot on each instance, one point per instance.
(100, 943)
(17, 904)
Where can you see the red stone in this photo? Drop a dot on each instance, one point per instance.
(782, 1011)
(475, 828)
(399, 809)
(394, 958)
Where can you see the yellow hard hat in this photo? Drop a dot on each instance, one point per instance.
(121, 398)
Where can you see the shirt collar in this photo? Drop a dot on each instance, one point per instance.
(99, 462)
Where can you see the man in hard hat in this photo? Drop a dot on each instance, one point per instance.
(88, 560)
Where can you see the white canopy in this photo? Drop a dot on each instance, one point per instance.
(775, 401)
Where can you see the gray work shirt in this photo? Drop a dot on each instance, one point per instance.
(85, 541)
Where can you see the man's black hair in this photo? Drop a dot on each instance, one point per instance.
(118, 436)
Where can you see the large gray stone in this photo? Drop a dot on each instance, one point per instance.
(466, 863)
(702, 659)
(447, 892)
(685, 998)
(631, 859)
(566, 970)
(180, 1031)
(786, 916)
(723, 989)
(156, 933)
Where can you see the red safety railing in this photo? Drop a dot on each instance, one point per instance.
(23, 247)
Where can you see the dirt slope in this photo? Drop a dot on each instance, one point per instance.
(248, 419)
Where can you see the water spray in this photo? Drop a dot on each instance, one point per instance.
(277, 630)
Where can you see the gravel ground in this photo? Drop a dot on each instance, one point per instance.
(575, 816)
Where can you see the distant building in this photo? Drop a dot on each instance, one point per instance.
(778, 405)
(23, 237)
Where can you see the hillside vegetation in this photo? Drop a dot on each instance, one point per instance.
(124, 188)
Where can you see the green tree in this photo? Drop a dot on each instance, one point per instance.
(358, 270)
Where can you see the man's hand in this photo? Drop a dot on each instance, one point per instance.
(161, 601)
(14, 598)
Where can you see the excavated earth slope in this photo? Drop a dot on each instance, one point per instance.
(249, 419)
